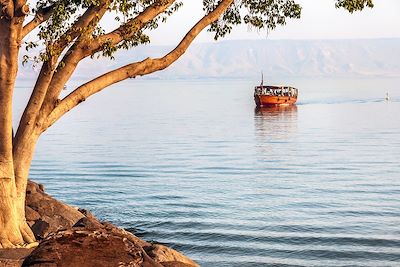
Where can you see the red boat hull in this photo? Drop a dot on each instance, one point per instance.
(268, 100)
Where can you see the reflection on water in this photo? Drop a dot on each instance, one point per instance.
(273, 110)
(274, 124)
(276, 112)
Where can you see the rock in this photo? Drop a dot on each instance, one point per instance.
(85, 223)
(88, 215)
(13, 257)
(166, 255)
(74, 237)
(88, 221)
(31, 215)
(41, 187)
(40, 228)
(87, 248)
(175, 264)
(126, 234)
(47, 215)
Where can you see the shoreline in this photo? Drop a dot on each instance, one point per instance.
(69, 236)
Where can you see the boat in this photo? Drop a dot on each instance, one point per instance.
(274, 95)
(387, 98)
(275, 110)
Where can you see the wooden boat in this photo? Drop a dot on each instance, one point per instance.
(274, 95)
(277, 110)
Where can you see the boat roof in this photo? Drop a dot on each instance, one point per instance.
(276, 86)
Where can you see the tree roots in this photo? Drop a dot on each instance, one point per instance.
(24, 238)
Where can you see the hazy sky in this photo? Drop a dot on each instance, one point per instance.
(320, 20)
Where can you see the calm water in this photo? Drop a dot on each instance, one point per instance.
(192, 164)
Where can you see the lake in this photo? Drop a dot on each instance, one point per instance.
(193, 164)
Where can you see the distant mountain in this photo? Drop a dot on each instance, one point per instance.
(281, 58)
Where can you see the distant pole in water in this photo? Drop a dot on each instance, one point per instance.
(387, 98)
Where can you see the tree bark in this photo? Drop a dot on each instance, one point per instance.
(13, 228)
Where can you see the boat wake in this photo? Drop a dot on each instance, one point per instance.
(346, 101)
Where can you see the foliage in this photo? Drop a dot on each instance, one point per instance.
(354, 5)
(65, 13)
(258, 14)
(264, 14)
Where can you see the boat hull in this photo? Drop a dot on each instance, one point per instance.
(267, 100)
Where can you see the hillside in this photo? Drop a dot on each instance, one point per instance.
(279, 58)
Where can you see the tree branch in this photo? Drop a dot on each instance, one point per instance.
(41, 16)
(69, 63)
(30, 116)
(144, 67)
(79, 51)
(91, 15)
(128, 29)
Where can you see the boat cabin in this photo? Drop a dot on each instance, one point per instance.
(276, 91)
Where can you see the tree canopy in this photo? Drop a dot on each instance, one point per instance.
(60, 18)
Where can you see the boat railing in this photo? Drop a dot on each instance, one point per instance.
(276, 91)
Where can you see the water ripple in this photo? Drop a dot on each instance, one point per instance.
(315, 184)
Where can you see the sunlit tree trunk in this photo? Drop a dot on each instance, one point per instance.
(13, 228)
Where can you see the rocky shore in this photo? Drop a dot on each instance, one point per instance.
(74, 237)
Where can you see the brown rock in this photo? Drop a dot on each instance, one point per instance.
(175, 264)
(40, 228)
(13, 257)
(72, 237)
(31, 215)
(89, 215)
(88, 221)
(126, 234)
(87, 248)
(167, 255)
(53, 214)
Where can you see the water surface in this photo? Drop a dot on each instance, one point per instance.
(194, 165)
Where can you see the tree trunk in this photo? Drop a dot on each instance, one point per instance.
(13, 228)
(22, 158)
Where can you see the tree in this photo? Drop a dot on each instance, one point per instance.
(68, 32)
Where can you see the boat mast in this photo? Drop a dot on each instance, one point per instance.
(262, 78)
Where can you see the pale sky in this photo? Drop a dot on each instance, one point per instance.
(320, 20)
